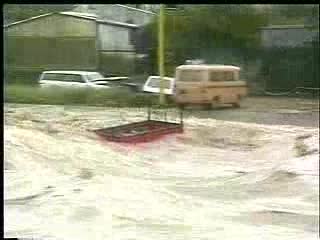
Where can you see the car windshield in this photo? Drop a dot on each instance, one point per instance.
(94, 76)
(155, 83)
(62, 77)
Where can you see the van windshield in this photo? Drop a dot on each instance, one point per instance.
(191, 75)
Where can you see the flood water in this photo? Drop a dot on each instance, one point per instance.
(217, 180)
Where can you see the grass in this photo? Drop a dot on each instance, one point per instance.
(115, 97)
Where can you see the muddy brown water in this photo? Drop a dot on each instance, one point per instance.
(217, 180)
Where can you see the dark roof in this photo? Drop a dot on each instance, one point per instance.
(115, 23)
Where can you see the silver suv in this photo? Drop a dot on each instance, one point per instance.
(74, 79)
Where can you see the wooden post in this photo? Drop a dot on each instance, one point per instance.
(149, 113)
(181, 117)
(161, 53)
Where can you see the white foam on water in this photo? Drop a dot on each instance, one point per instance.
(211, 182)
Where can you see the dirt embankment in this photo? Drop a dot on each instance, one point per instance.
(268, 110)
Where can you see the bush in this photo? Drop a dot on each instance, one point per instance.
(21, 77)
(92, 97)
(191, 33)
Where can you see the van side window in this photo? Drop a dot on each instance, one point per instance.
(221, 76)
(191, 75)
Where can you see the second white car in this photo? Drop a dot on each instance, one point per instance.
(73, 79)
(152, 85)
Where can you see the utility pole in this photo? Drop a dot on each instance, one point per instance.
(161, 53)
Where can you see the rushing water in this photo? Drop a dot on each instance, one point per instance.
(217, 180)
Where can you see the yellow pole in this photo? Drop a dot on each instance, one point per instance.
(161, 53)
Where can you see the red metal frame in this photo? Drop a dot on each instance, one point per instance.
(149, 130)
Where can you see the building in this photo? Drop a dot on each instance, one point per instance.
(117, 12)
(290, 56)
(69, 40)
(287, 36)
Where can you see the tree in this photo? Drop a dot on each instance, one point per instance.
(199, 29)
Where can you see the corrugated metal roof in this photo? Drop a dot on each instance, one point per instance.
(86, 16)
(208, 66)
(284, 27)
(81, 15)
(28, 19)
(70, 72)
(121, 24)
(135, 9)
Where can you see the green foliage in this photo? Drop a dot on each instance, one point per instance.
(285, 69)
(21, 77)
(93, 97)
(199, 29)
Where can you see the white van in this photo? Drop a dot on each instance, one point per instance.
(209, 85)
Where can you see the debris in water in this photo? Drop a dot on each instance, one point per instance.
(305, 136)
(77, 190)
(85, 174)
(302, 149)
(8, 166)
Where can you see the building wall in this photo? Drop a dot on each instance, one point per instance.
(64, 42)
(114, 38)
(49, 43)
(289, 58)
(117, 63)
(285, 37)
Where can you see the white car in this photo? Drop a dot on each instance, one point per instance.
(74, 79)
(152, 85)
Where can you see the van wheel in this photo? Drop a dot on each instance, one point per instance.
(236, 105)
(215, 102)
(181, 106)
(207, 106)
